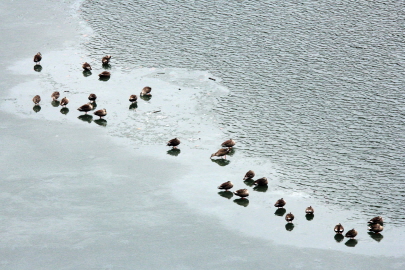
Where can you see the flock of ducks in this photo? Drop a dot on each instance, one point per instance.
(375, 224)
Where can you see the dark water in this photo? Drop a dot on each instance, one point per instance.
(315, 87)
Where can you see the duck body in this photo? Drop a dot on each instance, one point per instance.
(37, 58)
(280, 203)
(249, 175)
(289, 217)
(261, 182)
(106, 59)
(101, 113)
(86, 66)
(226, 185)
(85, 108)
(36, 99)
(133, 98)
(339, 229)
(376, 220)
(309, 210)
(243, 193)
(146, 91)
(376, 228)
(55, 95)
(221, 153)
(228, 143)
(92, 97)
(104, 74)
(64, 101)
(174, 143)
(351, 234)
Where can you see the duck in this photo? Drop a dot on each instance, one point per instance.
(261, 182)
(133, 98)
(86, 66)
(85, 108)
(351, 234)
(174, 143)
(376, 228)
(339, 229)
(280, 203)
(101, 113)
(242, 193)
(227, 185)
(221, 153)
(106, 59)
(37, 58)
(309, 210)
(64, 101)
(92, 97)
(146, 91)
(289, 217)
(378, 220)
(249, 175)
(228, 143)
(55, 95)
(104, 74)
(36, 99)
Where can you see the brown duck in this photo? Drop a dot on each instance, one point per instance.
(378, 220)
(351, 234)
(133, 98)
(64, 101)
(249, 175)
(37, 58)
(289, 217)
(375, 227)
(280, 203)
(146, 91)
(92, 97)
(85, 108)
(36, 99)
(261, 182)
(106, 59)
(174, 143)
(309, 210)
(339, 229)
(55, 95)
(221, 153)
(226, 185)
(242, 193)
(104, 74)
(101, 113)
(228, 143)
(86, 66)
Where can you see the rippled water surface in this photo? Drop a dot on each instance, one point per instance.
(316, 87)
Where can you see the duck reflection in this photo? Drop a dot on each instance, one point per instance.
(38, 68)
(280, 212)
(174, 152)
(64, 110)
(261, 188)
(221, 161)
(146, 97)
(339, 237)
(101, 122)
(226, 194)
(36, 108)
(55, 103)
(133, 106)
(249, 182)
(242, 202)
(231, 152)
(376, 236)
(94, 104)
(106, 66)
(86, 73)
(351, 243)
(289, 226)
(86, 118)
(309, 217)
(104, 79)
